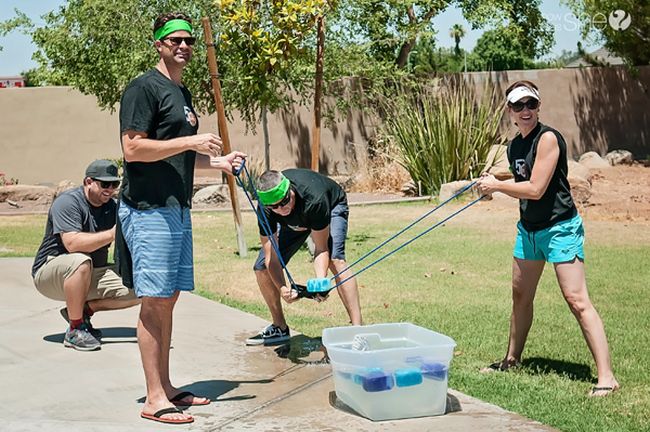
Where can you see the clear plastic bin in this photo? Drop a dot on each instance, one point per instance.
(390, 371)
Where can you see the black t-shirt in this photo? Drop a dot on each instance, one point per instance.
(154, 104)
(316, 196)
(556, 204)
(71, 212)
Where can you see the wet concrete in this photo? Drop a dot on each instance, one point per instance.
(46, 387)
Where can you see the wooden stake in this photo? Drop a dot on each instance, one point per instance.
(318, 90)
(223, 131)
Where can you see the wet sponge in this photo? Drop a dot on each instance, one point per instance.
(319, 285)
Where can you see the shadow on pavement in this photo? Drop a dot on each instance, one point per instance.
(453, 404)
(120, 334)
(302, 349)
(213, 389)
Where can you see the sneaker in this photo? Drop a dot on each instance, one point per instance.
(270, 335)
(80, 339)
(97, 334)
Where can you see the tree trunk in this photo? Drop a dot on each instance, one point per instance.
(267, 142)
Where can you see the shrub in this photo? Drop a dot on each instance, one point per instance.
(443, 132)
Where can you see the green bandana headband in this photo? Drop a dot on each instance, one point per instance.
(275, 194)
(170, 27)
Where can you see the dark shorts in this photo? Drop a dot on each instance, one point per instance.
(290, 241)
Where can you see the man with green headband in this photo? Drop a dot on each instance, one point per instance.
(303, 203)
(158, 127)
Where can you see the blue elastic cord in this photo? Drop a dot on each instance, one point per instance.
(403, 230)
(407, 243)
(261, 215)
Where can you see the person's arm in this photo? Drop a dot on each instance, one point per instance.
(229, 162)
(548, 154)
(274, 268)
(87, 242)
(138, 148)
(321, 251)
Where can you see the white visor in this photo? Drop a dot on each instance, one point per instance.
(521, 92)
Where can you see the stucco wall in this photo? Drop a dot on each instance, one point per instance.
(599, 109)
(50, 134)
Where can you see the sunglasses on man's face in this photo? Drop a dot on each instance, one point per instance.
(519, 106)
(176, 41)
(108, 184)
(283, 202)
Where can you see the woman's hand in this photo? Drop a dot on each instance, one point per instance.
(487, 185)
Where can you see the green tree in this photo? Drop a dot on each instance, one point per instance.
(497, 50)
(457, 32)
(393, 27)
(266, 40)
(628, 37)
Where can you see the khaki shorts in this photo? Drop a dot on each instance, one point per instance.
(104, 283)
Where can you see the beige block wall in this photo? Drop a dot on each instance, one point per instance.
(49, 134)
(595, 109)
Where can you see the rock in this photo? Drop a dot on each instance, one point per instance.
(42, 194)
(215, 194)
(63, 186)
(448, 190)
(593, 160)
(619, 157)
(580, 171)
(497, 162)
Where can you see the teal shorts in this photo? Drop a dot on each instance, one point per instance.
(560, 243)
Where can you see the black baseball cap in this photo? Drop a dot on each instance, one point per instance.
(103, 170)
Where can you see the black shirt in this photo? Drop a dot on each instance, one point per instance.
(556, 204)
(71, 212)
(154, 104)
(316, 196)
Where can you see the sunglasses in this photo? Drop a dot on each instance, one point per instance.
(531, 104)
(283, 202)
(108, 184)
(189, 40)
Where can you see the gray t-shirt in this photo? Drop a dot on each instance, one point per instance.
(71, 212)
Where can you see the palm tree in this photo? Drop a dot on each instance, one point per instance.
(457, 32)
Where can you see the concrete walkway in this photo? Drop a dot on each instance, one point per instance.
(46, 387)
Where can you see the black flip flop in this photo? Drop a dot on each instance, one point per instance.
(158, 416)
(500, 366)
(178, 399)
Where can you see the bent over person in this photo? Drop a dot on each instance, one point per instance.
(549, 230)
(71, 264)
(303, 203)
(158, 127)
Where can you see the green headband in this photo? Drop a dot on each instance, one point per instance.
(170, 27)
(275, 194)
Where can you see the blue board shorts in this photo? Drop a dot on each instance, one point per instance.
(560, 243)
(290, 241)
(160, 242)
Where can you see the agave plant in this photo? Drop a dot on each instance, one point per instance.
(444, 132)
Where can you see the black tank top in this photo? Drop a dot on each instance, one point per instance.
(556, 204)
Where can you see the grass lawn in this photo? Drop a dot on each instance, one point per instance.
(456, 280)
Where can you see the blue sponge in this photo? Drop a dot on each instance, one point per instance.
(319, 285)
(408, 377)
(434, 370)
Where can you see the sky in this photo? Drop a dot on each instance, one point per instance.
(17, 51)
